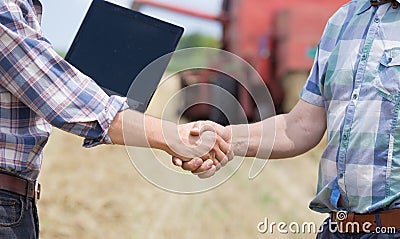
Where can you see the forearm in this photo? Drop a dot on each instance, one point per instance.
(133, 128)
(265, 139)
(282, 136)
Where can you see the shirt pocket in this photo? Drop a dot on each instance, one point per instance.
(388, 80)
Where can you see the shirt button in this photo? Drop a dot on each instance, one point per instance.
(377, 20)
(355, 96)
(345, 137)
(364, 56)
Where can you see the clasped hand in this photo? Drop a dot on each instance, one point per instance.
(209, 148)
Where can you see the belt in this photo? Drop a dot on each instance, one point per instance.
(350, 222)
(395, 4)
(20, 186)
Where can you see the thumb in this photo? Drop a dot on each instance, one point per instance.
(207, 127)
(195, 130)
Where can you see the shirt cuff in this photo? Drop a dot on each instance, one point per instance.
(114, 105)
(312, 98)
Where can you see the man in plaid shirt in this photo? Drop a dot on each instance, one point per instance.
(353, 93)
(39, 89)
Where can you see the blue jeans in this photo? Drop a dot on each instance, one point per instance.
(329, 231)
(18, 217)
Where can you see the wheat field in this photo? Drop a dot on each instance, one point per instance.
(97, 193)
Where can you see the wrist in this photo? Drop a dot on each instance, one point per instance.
(156, 132)
(239, 138)
(226, 133)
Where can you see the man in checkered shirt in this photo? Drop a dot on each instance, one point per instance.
(353, 93)
(38, 89)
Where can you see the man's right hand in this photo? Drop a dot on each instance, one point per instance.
(206, 168)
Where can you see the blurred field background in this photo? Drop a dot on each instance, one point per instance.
(97, 193)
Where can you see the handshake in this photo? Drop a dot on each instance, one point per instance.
(205, 147)
(201, 147)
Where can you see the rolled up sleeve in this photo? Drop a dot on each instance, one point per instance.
(56, 91)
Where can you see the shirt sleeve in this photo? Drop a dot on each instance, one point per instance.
(34, 73)
(313, 90)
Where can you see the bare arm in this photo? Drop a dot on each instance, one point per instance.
(295, 133)
(145, 130)
(133, 128)
(281, 136)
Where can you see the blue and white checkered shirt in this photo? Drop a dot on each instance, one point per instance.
(356, 77)
(39, 89)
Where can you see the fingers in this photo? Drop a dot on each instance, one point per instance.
(217, 163)
(177, 161)
(208, 173)
(216, 159)
(197, 166)
(230, 155)
(202, 169)
(189, 165)
(223, 145)
(222, 152)
(193, 164)
(220, 157)
(224, 161)
(207, 165)
(206, 136)
(219, 144)
(223, 157)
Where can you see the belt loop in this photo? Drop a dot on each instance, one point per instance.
(28, 189)
(378, 219)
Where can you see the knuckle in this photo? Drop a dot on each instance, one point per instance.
(218, 166)
(205, 168)
(224, 162)
(188, 167)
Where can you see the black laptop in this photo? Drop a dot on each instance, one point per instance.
(114, 44)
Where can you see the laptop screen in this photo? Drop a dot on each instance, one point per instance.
(114, 44)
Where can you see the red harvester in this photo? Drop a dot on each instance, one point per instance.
(278, 38)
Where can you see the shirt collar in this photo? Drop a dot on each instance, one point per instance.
(367, 5)
(363, 7)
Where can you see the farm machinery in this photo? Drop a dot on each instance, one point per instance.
(277, 38)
